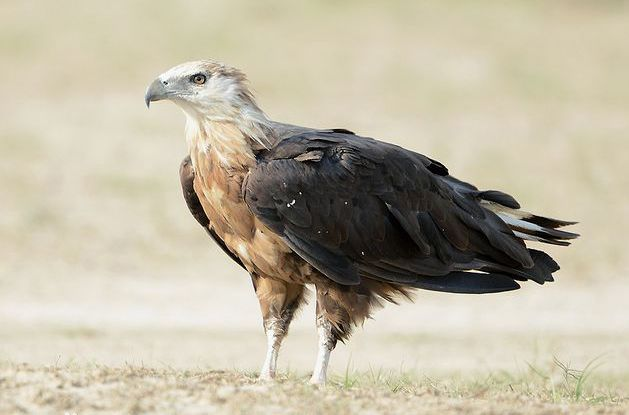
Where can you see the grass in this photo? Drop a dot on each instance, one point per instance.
(138, 389)
(570, 386)
(100, 370)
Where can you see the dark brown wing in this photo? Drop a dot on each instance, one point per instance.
(355, 207)
(186, 175)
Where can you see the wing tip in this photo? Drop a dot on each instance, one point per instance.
(461, 282)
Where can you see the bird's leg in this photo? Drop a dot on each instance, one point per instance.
(276, 329)
(278, 302)
(339, 308)
(274, 341)
(327, 342)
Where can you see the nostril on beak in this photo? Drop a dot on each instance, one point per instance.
(165, 83)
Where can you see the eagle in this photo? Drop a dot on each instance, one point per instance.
(363, 221)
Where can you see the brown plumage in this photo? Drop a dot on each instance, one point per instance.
(362, 220)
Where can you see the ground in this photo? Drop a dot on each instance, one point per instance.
(133, 350)
(113, 300)
(136, 389)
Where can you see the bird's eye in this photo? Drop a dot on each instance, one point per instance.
(198, 79)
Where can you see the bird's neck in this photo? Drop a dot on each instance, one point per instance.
(234, 137)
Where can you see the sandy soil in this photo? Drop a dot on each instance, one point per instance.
(140, 390)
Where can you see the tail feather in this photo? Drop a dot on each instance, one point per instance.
(532, 227)
(547, 222)
(540, 239)
(533, 231)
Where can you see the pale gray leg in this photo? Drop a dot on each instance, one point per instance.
(326, 344)
(279, 301)
(275, 332)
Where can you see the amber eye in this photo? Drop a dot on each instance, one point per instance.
(198, 79)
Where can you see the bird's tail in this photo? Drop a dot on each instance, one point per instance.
(531, 227)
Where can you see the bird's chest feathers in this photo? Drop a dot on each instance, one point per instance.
(220, 167)
(221, 160)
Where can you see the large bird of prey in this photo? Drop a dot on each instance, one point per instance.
(362, 220)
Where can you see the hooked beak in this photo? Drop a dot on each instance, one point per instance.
(155, 92)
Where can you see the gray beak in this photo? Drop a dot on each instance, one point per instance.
(155, 92)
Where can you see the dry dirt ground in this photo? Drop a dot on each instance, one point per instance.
(140, 390)
(112, 300)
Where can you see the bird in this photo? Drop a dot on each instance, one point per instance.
(360, 221)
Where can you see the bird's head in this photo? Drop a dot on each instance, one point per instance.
(210, 92)
(206, 88)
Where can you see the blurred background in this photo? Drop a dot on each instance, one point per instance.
(100, 260)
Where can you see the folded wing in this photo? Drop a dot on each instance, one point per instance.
(356, 208)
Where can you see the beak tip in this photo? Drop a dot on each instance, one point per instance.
(155, 92)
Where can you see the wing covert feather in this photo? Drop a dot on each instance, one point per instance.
(367, 208)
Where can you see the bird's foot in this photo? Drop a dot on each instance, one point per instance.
(266, 376)
(317, 380)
